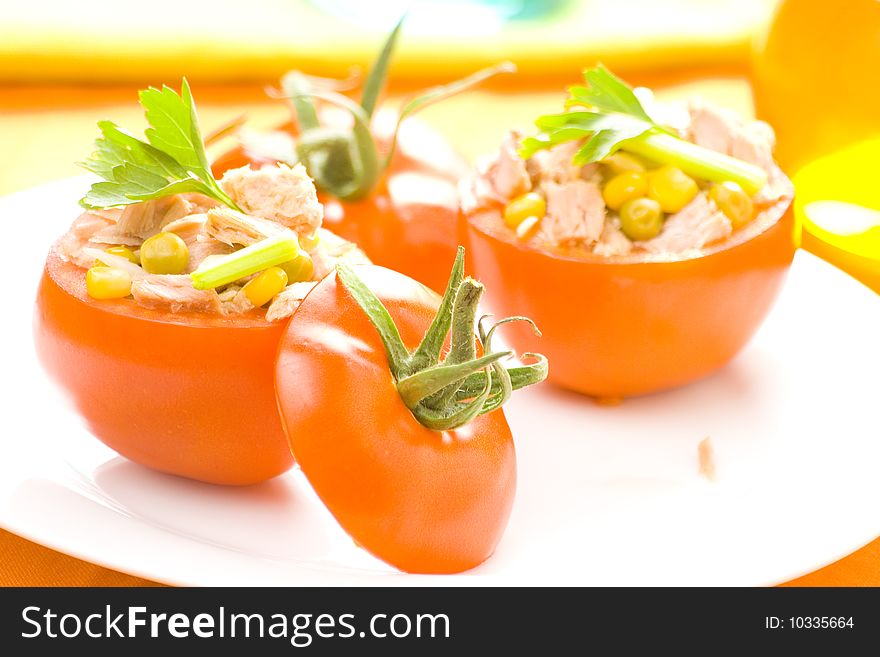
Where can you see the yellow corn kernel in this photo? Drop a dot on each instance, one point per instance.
(621, 162)
(124, 252)
(299, 269)
(311, 242)
(522, 207)
(107, 283)
(671, 187)
(733, 202)
(528, 227)
(265, 285)
(625, 187)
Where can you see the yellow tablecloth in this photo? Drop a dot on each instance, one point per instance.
(222, 40)
(43, 130)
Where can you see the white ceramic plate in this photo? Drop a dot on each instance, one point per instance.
(606, 495)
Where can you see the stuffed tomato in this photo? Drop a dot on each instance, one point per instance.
(647, 242)
(161, 309)
(388, 185)
(185, 393)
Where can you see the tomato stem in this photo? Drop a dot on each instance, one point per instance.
(297, 88)
(520, 377)
(398, 355)
(360, 148)
(426, 383)
(375, 82)
(345, 163)
(463, 343)
(428, 351)
(446, 394)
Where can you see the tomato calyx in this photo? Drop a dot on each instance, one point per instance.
(345, 162)
(446, 393)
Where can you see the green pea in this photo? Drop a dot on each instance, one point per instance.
(641, 219)
(164, 253)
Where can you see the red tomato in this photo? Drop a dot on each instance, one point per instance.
(408, 222)
(188, 394)
(424, 501)
(617, 327)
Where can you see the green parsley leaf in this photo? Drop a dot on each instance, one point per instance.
(173, 160)
(615, 119)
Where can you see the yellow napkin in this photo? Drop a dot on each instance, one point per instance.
(223, 40)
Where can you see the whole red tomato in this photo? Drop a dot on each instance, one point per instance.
(426, 500)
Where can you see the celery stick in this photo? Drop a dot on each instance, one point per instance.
(697, 161)
(249, 260)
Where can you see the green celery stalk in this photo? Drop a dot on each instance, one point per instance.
(697, 161)
(249, 260)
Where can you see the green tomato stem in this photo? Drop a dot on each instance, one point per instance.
(444, 395)
(421, 385)
(697, 161)
(457, 414)
(462, 343)
(375, 82)
(297, 88)
(428, 352)
(364, 166)
(249, 260)
(398, 355)
(520, 377)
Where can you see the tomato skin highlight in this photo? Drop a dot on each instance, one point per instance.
(186, 394)
(620, 329)
(408, 222)
(423, 501)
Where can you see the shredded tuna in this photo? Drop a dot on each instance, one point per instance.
(330, 250)
(228, 293)
(556, 165)
(724, 131)
(71, 245)
(287, 301)
(236, 303)
(612, 241)
(200, 203)
(506, 173)
(279, 193)
(706, 455)
(575, 213)
(234, 228)
(697, 224)
(193, 230)
(174, 293)
(753, 141)
(142, 220)
(474, 192)
(203, 248)
(188, 227)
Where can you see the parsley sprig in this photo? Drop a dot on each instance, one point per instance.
(171, 161)
(613, 118)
